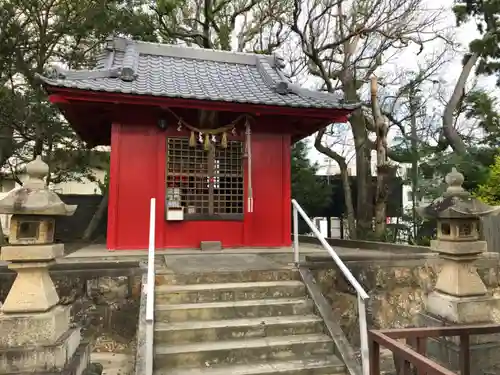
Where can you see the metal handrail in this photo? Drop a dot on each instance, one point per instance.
(150, 290)
(362, 296)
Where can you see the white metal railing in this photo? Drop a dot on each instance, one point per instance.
(150, 290)
(362, 296)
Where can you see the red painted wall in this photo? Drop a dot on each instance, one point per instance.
(137, 173)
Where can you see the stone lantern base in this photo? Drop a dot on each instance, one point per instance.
(36, 334)
(462, 310)
(43, 344)
(445, 310)
(33, 290)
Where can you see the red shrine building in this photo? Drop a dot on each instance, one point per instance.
(207, 133)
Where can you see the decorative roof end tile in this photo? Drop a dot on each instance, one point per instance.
(130, 62)
(282, 87)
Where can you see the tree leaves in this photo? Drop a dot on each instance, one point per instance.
(35, 34)
(489, 191)
(486, 15)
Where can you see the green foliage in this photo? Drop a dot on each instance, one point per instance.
(481, 106)
(311, 194)
(480, 109)
(489, 192)
(474, 167)
(486, 16)
(425, 229)
(35, 34)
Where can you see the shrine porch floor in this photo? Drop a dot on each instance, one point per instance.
(195, 260)
(96, 252)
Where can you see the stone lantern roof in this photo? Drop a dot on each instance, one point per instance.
(34, 198)
(456, 202)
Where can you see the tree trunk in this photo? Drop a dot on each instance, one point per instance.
(96, 219)
(2, 236)
(364, 203)
(351, 218)
(414, 161)
(38, 147)
(382, 165)
(451, 134)
(50, 146)
(6, 148)
(363, 147)
(6, 142)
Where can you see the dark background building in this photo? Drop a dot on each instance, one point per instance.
(337, 208)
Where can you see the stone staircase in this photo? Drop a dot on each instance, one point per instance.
(239, 323)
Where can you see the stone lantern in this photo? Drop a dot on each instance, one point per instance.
(36, 332)
(458, 218)
(32, 251)
(460, 296)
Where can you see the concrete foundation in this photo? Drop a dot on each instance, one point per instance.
(462, 310)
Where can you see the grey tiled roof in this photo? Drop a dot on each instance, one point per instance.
(140, 68)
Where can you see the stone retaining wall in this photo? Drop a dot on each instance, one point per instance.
(106, 306)
(397, 289)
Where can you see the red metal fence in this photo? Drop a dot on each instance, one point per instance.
(412, 354)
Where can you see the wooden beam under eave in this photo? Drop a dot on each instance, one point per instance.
(85, 123)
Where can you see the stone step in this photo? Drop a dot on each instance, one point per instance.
(215, 330)
(229, 291)
(164, 277)
(233, 309)
(213, 353)
(322, 365)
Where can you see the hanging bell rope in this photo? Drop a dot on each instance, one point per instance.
(248, 153)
